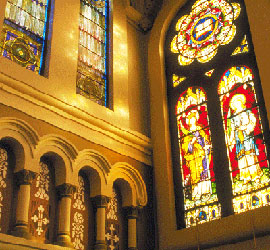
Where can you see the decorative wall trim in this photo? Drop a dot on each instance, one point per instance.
(47, 108)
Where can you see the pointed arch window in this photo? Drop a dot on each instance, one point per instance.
(25, 31)
(92, 71)
(224, 134)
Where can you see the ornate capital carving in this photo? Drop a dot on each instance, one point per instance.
(65, 190)
(25, 177)
(100, 201)
(132, 212)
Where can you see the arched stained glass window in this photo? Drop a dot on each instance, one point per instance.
(244, 138)
(92, 77)
(24, 34)
(225, 133)
(196, 157)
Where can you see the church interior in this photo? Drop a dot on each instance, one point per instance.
(134, 124)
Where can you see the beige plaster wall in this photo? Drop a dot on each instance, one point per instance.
(226, 230)
(61, 80)
(138, 80)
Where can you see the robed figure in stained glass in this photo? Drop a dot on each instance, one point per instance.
(198, 178)
(196, 150)
(240, 131)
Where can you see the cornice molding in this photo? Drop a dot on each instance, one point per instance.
(72, 119)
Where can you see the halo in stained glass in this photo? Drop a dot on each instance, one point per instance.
(209, 25)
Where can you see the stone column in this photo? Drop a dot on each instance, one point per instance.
(100, 203)
(132, 214)
(24, 179)
(65, 192)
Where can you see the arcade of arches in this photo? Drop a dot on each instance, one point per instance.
(75, 174)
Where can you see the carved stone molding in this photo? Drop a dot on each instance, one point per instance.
(25, 177)
(100, 201)
(65, 190)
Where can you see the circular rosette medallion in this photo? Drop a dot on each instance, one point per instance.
(20, 51)
(209, 25)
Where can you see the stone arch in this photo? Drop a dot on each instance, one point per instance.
(61, 152)
(97, 168)
(131, 184)
(22, 138)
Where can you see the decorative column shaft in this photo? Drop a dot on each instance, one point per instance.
(23, 179)
(132, 214)
(100, 203)
(65, 192)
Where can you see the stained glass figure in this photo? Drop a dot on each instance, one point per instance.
(209, 73)
(244, 137)
(201, 202)
(243, 48)
(209, 25)
(23, 36)
(92, 62)
(177, 80)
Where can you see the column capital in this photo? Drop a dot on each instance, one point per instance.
(66, 190)
(25, 177)
(100, 201)
(132, 212)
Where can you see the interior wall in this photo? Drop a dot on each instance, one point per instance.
(220, 232)
(138, 80)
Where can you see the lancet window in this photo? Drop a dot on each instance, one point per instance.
(92, 72)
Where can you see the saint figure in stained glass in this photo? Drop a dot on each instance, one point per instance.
(196, 148)
(240, 130)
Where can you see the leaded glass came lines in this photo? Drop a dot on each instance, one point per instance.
(91, 73)
(244, 137)
(198, 178)
(24, 32)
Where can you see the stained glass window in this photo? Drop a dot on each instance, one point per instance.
(200, 33)
(92, 77)
(244, 138)
(218, 131)
(196, 157)
(24, 33)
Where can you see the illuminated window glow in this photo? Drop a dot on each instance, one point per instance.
(23, 36)
(196, 158)
(92, 63)
(243, 48)
(209, 25)
(245, 142)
